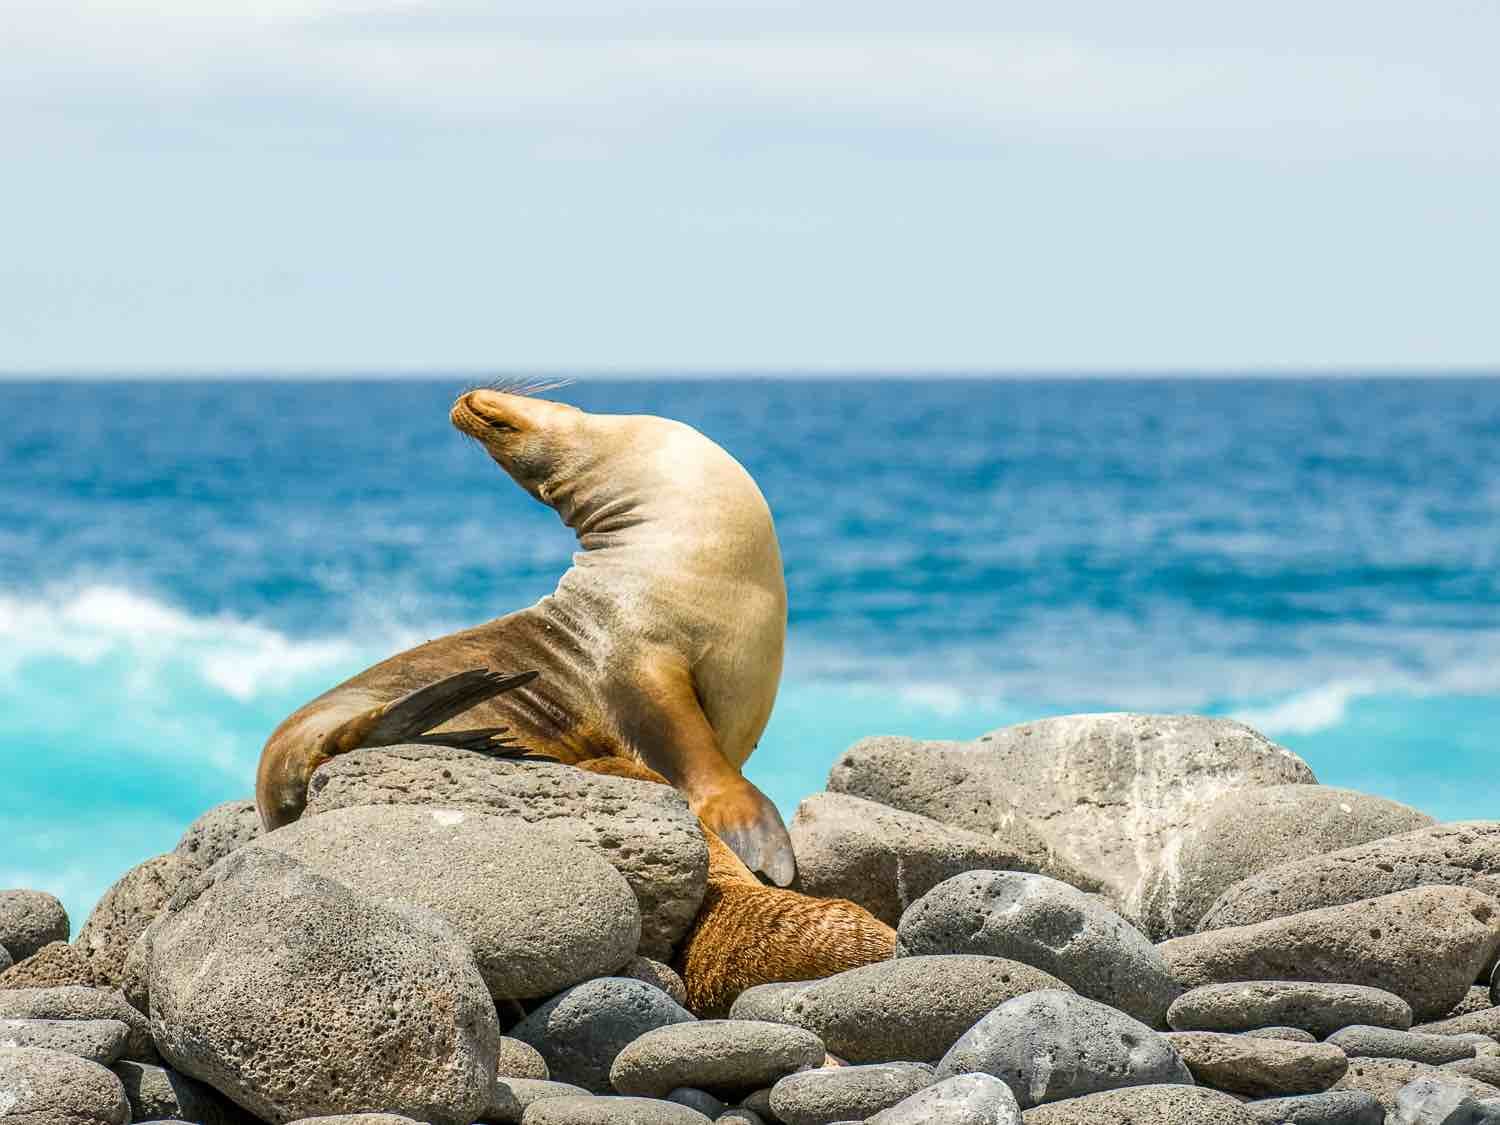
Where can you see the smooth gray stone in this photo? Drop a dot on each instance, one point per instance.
(155, 1091)
(221, 830)
(125, 911)
(42, 1087)
(1250, 830)
(965, 1099)
(1426, 945)
(30, 920)
(759, 1101)
(701, 1100)
(911, 1009)
(580, 1032)
(1106, 792)
(512, 1096)
(1429, 1100)
(540, 912)
(294, 996)
(846, 1093)
(1333, 1107)
(1050, 925)
(1290, 1034)
(1051, 1045)
(885, 859)
(1165, 1104)
(720, 1056)
(1259, 1068)
(74, 1002)
(521, 1060)
(1360, 1041)
(595, 1110)
(646, 831)
(100, 1041)
(1462, 854)
(765, 1001)
(1320, 1009)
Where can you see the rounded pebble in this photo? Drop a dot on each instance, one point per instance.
(715, 1055)
(518, 1059)
(512, 1096)
(1333, 1107)
(42, 1087)
(846, 1093)
(594, 1110)
(1259, 1068)
(30, 920)
(1319, 1009)
(99, 1041)
(1165, 1104)
(965, 1099)
(1361, 1041)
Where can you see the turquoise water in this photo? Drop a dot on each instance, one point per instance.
(181, 564)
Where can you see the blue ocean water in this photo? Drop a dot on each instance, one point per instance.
(183, 563)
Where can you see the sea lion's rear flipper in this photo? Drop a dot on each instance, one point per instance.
(412, 717)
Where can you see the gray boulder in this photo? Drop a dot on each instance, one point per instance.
(1290, 1034)
(42, 1087)
(1384, 1078)
(1433, 1101)
(911, 1009)
(1333, 1107)
(1047, 924)
(125, 911)
(262, 965)
(1320, 1009)
(30, 920)
(1165, 1104)
(219, 831)
(1051, 1045)
(1104, 792)
(1426, 945)
(1250, 830)
(646, 831)
(720, 1056)
(966, 1099)
(1259, 1068)
(765, 1001)
(77, 1003)
(513, 1096)
(593, 1110)
(1360, 1041)
(156, 1092)
(845, 1093)
(1464, 854)
(520, 1060)
(540, 912)
(885, 859)
(580, 1032)
(99, 1041)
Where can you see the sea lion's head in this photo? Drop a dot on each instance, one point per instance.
(535, 440)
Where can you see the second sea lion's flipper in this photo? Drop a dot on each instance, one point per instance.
(417, 712)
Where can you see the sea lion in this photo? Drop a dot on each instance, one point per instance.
(656, 658)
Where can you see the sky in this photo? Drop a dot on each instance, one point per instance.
(310, 186)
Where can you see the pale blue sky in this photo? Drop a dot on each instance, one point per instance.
(326, 185)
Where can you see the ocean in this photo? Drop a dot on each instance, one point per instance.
(182, 563)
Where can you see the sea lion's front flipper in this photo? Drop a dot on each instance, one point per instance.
(670, 732)
(415, 714)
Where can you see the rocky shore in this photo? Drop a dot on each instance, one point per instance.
(1143, 919)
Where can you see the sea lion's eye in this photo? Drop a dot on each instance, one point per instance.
(503, 427)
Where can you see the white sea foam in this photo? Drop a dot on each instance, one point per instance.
(1307, 712)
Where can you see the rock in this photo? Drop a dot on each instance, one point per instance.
(720, 1056)
(1426, 945)
(1290, 1034)
(911, 1009)
(1250, 830)
(701, 1100)
(125, 911)
(846, 1093)
(1477, 999)
(5, 961)
(512, 1096)
(156, 1092)
(1313, 1007)
(1049, 925)
(100, 1041)
(580, 1032)
(1334, 1107)
(1464, 854)
(359, 1119)
(759, 1101)
(1428, 1100)
(30, 920)
(541, 913)
(56, 963)
(885, 859)
(1385, 1077)
(221, 830)
(591, 1110)
(1484, 1068)
(75, 1003)
(1360, 1041)
(1259, 1068)
(1144, 1105)
(739, 1115)
(1051, 1045)
(521, 1060)
(1105, 792)
(262, 965)
(655, 973)
(1482, 1044)
(965, 1099)
(646, 831)
(765, 1001)
(42, 1087)
(1484, 1022)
